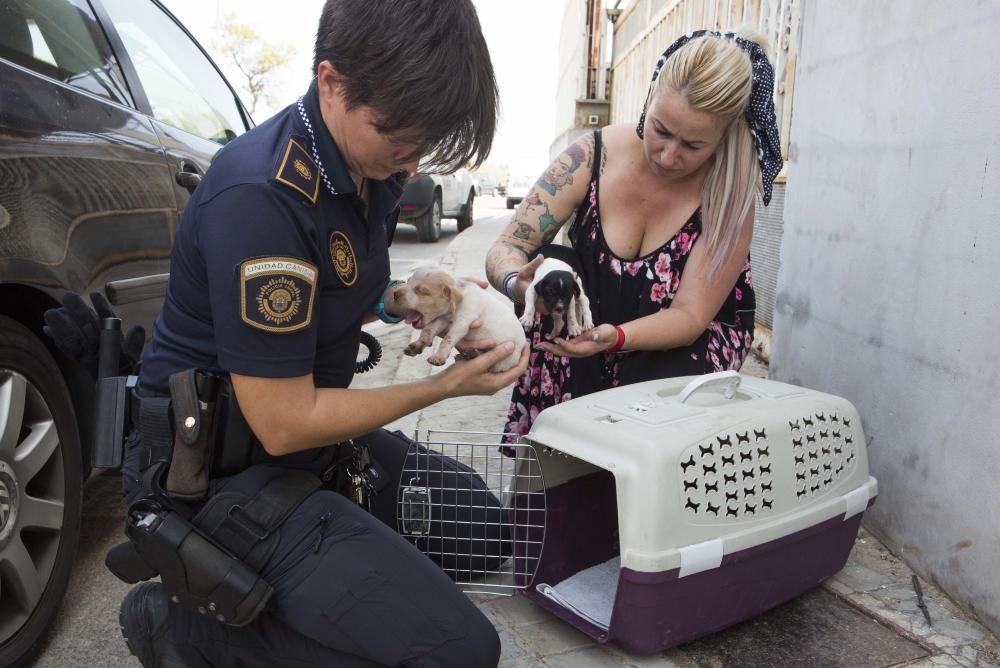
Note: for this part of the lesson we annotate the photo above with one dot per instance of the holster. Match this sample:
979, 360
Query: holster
193, 399
211, 563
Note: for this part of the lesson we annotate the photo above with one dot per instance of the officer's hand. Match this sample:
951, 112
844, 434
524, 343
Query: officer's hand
75, 329
473, 377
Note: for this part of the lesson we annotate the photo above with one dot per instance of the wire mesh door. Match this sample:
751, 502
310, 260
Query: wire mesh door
477, 512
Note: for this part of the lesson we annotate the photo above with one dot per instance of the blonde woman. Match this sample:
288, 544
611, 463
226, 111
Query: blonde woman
660, 219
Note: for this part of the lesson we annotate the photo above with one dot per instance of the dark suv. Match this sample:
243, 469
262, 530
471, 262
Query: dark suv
109, 113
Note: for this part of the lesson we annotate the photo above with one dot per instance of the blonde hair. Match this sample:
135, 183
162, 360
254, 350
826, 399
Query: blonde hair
714, 75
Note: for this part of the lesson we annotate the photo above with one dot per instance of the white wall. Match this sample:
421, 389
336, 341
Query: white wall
888, 292
572, 73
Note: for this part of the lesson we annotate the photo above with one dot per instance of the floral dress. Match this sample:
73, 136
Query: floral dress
621, 290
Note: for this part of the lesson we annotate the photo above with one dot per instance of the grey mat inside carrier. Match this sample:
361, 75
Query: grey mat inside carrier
590, 593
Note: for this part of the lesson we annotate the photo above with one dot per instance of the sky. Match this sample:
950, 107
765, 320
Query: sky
522, 35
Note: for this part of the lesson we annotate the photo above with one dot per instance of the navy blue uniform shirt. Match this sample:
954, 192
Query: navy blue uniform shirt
275, 261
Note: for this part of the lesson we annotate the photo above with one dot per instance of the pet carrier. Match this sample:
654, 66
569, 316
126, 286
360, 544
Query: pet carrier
656, 513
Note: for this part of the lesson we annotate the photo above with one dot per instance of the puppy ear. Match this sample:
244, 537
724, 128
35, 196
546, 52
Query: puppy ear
455, 295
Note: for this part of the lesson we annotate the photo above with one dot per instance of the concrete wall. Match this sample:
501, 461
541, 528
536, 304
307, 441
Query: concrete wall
887, 293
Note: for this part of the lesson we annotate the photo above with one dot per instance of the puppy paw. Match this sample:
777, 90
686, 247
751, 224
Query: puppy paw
527, 320
437, 360
413, 349
575, 331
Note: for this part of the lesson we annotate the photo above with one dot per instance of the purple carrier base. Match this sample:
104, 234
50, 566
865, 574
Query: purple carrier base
655, 611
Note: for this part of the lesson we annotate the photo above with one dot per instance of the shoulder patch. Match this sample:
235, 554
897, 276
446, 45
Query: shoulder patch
299, 171
276, 293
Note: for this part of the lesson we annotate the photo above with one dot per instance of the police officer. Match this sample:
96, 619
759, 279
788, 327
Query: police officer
280, 257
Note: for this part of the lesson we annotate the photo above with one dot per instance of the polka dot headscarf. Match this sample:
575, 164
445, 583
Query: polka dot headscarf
760, 109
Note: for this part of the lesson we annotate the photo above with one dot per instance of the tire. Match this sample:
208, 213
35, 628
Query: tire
38, 539
429, 227
467, 216
510, 203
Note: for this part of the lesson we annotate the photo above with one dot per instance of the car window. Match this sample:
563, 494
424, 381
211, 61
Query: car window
62, 40
183, 87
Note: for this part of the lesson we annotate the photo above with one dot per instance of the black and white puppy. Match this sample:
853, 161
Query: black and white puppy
563, 295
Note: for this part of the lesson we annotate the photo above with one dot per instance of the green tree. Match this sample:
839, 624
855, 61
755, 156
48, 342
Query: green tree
255, 58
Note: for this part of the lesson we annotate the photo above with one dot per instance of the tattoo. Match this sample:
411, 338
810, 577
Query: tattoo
503, 256
549, 234
604, 158
560, 172
523, 231
546, 219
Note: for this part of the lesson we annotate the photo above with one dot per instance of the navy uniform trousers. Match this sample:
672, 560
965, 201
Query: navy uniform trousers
348, 590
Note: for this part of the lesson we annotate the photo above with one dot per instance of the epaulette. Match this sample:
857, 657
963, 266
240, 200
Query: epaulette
299, 171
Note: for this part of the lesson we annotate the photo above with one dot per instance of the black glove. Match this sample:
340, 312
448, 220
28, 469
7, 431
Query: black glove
75, 328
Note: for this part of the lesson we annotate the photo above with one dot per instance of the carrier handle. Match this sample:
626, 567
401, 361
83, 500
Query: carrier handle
728, 380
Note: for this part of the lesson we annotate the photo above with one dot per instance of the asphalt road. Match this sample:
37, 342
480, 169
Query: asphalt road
85, 632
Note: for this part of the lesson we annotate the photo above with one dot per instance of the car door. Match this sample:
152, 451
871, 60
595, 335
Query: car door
84, 179
194, 110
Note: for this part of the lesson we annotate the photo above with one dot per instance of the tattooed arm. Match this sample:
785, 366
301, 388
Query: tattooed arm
549, 204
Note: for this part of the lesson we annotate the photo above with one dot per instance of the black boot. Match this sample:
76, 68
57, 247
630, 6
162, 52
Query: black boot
143, 618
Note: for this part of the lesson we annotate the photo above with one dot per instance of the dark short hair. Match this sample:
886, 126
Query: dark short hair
422, 66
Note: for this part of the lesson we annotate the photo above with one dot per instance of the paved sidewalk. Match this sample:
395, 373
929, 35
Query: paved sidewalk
866, 615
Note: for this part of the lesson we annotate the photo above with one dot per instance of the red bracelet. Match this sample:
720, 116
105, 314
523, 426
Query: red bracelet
619, 342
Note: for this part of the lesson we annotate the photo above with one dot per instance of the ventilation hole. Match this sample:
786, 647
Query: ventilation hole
758, 435
705, 468
732, 512
800, 460
685, 465
797, 442
750, 491
691, 504
794, 426
747, 473
728, 440
714, 487
732, 496
713, 509
821, 417
690, 485
728, 461
765, 487
767, 503
706, 451
729, 478
763, 452
765, 469
743, 438
807, 422
847, 423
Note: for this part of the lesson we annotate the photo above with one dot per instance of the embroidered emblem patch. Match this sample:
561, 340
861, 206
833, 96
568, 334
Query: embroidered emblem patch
303, 171
276, 293
342, 256
298, 171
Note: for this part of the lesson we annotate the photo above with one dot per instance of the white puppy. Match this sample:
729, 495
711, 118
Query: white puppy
562, 293
447, 306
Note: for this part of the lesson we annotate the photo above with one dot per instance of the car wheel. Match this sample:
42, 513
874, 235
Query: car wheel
40, 485
429, 227
465, 220
510, 203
